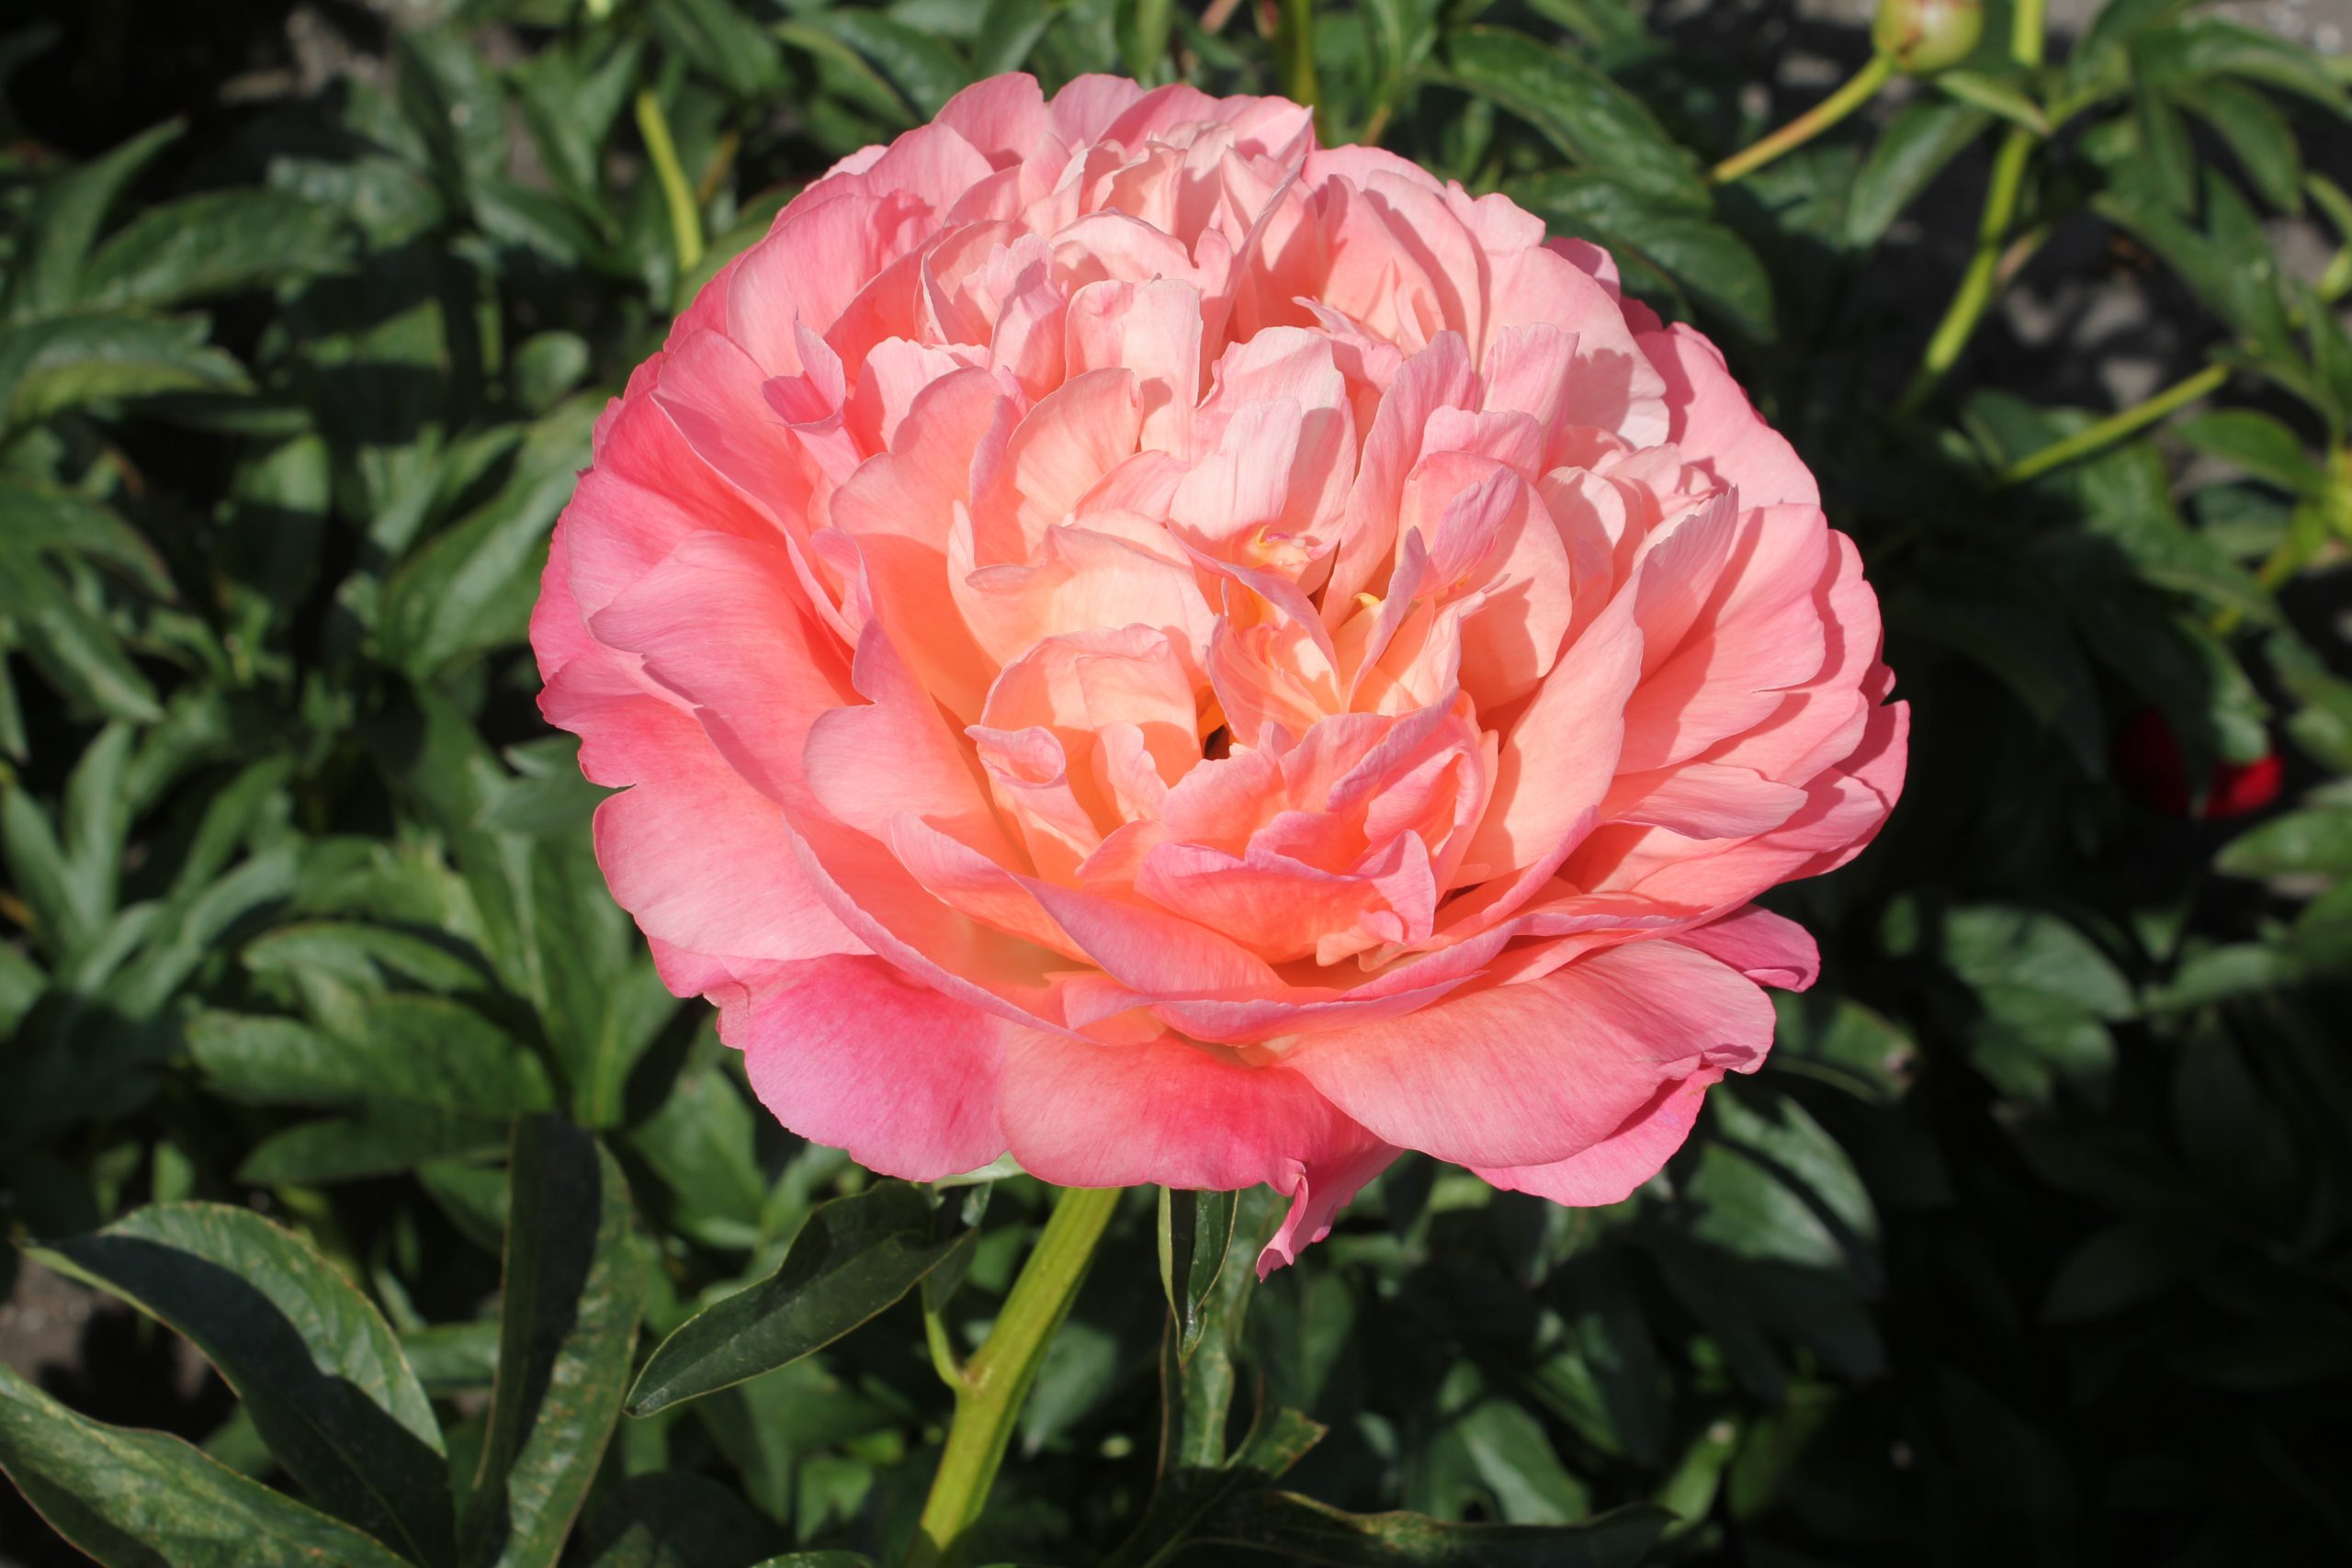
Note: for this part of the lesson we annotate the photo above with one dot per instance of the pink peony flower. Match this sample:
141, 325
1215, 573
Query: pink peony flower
1189, 657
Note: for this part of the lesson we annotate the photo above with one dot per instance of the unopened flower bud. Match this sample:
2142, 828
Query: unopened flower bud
1926, 35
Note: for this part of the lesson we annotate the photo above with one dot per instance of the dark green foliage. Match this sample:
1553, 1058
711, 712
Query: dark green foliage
2029, 1246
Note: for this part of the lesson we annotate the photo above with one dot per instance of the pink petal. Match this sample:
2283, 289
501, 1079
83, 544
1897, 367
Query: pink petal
1530, 1074
1324, 1187
1718, 428
1610, 1170
1770, 949
847, 1052
1082, 1114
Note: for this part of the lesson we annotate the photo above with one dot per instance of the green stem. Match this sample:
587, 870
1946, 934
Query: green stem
993, 1383
1859, 89
1976, 291
685, 221
1977, 284
1295, 56
2115, 426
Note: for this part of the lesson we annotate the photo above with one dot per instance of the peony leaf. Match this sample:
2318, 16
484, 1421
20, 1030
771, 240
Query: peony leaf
1196, 1230
219, 242
412, 1049
677, 1519
470, 588
853, 1257
1995, 96
375, 1140
132, 1499
1918, 144
2314, 842
1582, 112
2258, 133
1693, 254
2258, 444
65, 221
1300, 1529
68, 362
572, 1285
322, 1376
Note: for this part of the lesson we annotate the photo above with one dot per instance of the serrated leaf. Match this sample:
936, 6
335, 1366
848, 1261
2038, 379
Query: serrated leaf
853, 1257
318, 1369
1582, 112
573, 1284
135, 1499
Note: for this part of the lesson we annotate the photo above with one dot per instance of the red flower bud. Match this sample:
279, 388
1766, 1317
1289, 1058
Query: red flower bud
2147, 756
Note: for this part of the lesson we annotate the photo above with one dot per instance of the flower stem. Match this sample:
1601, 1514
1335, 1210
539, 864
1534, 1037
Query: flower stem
1294, 57
1859, 89
995, 1382
1976, 285
2115, 426
685, 222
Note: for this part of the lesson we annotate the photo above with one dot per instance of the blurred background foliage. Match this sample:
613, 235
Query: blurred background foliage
2031, 1246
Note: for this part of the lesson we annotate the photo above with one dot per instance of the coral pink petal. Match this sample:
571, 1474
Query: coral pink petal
1717, 427
1770, 949
848, 1052
699, 857
1080, 1113
1610, 1170
1530, 1074
1323, 1188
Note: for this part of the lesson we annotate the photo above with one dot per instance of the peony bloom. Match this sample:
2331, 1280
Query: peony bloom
1189, 657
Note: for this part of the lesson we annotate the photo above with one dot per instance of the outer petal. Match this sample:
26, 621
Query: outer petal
1531, 1073
1323, 1189
1078, 1113
1609, 1171
848, 1052
1719, 429
701, 858
1770, 949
